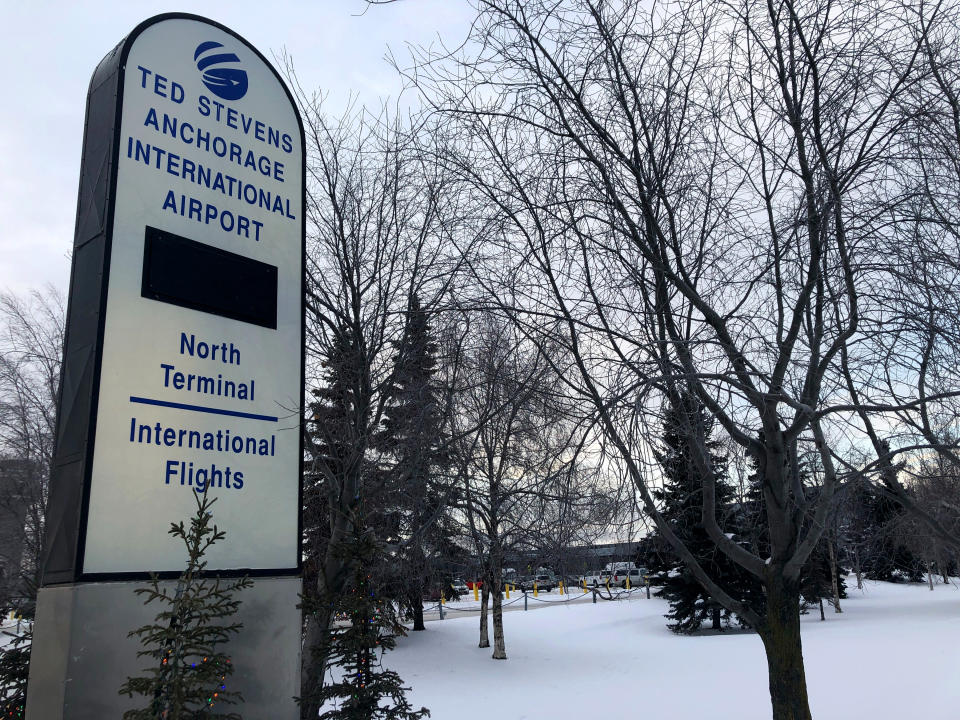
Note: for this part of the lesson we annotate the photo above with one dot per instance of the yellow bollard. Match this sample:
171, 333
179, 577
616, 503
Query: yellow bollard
628, 582
476, 595
534, 589
507, 587
443, 600
608, 584
561, 587
584, 581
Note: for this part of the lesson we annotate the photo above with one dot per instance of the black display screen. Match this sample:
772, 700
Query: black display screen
187, 273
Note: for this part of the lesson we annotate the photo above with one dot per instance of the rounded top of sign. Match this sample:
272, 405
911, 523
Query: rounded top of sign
220, 68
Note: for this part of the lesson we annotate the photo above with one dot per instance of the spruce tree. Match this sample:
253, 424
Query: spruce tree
190, 673
690, 604
355, 686
336, 411
335, 416
884, 556
14, 670
360, 688
816, 579
413, 438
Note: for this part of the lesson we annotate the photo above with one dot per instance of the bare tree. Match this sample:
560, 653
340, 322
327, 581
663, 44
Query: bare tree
373, 243
31, 347
578, 508
935, 487
926, 243
513, 451
696, 198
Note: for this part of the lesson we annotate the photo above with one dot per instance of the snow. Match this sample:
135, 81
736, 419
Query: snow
11, 628
892, 653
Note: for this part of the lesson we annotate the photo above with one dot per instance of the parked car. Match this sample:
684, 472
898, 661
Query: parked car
592, 578
545, 582
459, 587
619, 577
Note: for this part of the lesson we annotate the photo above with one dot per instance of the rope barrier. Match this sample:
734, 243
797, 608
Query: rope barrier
471, 608
602, 593
557, 602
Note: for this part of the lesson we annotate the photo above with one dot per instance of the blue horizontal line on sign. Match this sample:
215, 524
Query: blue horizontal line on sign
201, 408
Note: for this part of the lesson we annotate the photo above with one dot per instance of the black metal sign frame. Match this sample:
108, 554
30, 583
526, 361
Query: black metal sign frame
69, 499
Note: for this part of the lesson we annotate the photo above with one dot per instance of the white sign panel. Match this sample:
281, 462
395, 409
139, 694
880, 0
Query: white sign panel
200, 383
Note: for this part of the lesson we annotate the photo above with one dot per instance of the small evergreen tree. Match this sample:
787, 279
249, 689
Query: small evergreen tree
14, 670
816, 578
885, 556
816, 575
189, 675
362, 689
690, 604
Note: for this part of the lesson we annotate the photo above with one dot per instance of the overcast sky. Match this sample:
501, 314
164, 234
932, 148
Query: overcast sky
49, 50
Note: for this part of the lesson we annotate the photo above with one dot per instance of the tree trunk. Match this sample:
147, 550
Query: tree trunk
416, 606
330, 583
781, 640
930, 575
833, 576
499, 649
856, 568
716, 617
496, 588
484, 602
316, 641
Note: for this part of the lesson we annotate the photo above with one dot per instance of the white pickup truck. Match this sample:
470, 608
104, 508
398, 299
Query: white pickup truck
620, 576
592, 578
615, 576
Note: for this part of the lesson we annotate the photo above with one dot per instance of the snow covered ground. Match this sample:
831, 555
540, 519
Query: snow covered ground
11, 628
893, 653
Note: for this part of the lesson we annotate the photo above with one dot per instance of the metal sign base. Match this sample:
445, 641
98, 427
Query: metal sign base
81, 653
